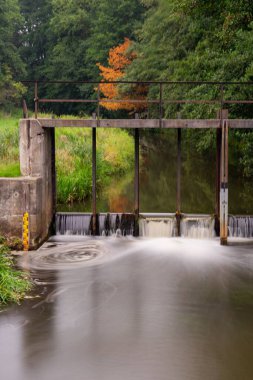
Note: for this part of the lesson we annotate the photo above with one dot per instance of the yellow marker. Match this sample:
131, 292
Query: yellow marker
25, 231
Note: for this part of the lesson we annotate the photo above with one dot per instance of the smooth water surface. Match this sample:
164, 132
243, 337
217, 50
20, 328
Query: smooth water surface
158, 171
127, 309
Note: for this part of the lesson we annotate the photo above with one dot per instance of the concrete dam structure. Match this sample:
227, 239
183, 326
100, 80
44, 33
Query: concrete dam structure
34, 194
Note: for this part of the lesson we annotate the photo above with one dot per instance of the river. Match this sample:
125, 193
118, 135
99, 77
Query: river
132, 309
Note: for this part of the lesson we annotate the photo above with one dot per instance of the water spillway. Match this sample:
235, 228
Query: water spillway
158, 225
150, 225
240, 226
81, 224
72, 224
198, 226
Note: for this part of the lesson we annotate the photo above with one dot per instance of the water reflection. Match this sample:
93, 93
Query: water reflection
142, 309
158, 181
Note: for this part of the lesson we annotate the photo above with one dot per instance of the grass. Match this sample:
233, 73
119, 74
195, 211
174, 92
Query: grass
115, 153
11, 169
13, 284
9, 141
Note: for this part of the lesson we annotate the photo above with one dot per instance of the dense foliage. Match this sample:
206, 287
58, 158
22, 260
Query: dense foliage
197, 41
13, 284
171, 40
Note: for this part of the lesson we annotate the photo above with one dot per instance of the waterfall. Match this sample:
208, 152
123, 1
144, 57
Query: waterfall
108, 224
120, 224
198, 227
240, 226
158, 226
72, 224
150, 225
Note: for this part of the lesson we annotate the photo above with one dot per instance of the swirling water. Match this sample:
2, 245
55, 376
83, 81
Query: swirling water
139, 309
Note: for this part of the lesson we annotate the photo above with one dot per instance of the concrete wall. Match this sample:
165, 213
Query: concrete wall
34, 191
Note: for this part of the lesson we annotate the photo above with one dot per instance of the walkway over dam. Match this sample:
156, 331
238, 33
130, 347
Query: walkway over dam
35, 192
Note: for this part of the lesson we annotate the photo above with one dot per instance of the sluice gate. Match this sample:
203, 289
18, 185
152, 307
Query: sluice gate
35, 193
150, 225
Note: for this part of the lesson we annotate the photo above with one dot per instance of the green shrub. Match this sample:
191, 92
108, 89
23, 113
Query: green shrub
13, 284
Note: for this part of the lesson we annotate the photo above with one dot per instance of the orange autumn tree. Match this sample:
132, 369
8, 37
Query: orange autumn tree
120, 57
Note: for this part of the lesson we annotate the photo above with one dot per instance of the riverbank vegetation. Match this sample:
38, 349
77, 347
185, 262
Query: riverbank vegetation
166, 40
115, 152
14, 284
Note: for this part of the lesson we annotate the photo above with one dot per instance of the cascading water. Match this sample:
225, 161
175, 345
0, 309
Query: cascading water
240, 226
151, 225
158, 226
108, 224
72, 224
198, 227
119, 224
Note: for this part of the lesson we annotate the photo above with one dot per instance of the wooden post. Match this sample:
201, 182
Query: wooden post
94, 181
137, 183
178, 212
224, 185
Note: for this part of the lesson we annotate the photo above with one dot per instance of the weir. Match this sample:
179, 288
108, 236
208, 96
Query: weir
240, 226
34, 194
150, 225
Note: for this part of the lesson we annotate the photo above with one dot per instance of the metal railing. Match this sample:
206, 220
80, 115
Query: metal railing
161, 101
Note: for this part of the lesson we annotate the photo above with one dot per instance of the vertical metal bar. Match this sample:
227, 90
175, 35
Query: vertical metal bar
221, 98
224, 185
222, 114
94, 168
217, 174
98, 106
179, 159
137, 182
161, 105
218, 181
94, 181
53, 168
25, 110
179, 170
36, 106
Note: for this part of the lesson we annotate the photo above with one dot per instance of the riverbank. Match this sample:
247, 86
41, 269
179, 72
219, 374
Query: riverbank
14, 284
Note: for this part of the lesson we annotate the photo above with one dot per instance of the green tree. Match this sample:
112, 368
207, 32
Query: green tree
10, 61
36, 36
202, 41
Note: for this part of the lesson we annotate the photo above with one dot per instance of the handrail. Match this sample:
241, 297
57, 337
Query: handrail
161, 101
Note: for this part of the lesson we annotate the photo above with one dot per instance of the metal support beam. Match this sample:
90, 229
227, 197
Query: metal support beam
160, 105
36, 100
222, 115
178, 213
53, 168
217, 182
94, 181
25, 109
137, 182
224, 185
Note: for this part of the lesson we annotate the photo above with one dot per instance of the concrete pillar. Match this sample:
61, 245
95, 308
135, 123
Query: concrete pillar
37, 161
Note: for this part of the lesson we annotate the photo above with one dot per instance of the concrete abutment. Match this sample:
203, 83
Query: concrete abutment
34, 191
